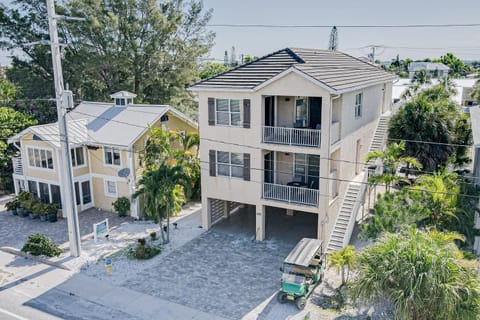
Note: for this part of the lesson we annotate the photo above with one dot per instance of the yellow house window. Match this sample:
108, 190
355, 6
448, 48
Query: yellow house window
40, 158
112, 156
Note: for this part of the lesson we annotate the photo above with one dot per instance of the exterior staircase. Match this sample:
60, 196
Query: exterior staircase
355, 192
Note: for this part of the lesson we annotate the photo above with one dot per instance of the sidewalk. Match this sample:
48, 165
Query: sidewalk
30, 290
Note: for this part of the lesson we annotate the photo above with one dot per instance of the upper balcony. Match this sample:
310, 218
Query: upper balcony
295, 121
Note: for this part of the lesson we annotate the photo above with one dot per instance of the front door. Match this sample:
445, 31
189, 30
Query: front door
83, 195
269, 111
315, 111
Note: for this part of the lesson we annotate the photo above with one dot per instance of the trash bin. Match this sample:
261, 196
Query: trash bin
108, 266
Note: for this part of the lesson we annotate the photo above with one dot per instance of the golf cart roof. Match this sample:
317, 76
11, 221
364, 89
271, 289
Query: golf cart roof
304, 252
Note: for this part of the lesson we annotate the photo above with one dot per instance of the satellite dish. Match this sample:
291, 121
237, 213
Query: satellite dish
123, 173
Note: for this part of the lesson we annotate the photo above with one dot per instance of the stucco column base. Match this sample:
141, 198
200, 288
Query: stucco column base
206, 214
226, 213
290, 212
260, 223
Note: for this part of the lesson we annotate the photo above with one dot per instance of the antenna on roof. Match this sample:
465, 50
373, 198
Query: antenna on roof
333, 43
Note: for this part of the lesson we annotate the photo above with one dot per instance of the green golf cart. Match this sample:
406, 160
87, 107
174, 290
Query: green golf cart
302, 271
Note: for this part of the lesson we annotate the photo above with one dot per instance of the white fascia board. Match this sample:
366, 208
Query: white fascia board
300, 73
363, 86
219, 89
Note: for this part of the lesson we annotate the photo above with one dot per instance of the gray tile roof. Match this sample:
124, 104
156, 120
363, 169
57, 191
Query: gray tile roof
336, 70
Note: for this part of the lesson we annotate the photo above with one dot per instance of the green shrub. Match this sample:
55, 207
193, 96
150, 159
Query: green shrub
143, 250
12, 205
121, 205
39, 244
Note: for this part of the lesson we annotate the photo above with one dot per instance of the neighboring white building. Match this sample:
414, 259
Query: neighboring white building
433, 69
285, 130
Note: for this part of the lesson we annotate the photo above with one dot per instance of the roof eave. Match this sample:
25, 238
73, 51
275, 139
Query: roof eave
366, 85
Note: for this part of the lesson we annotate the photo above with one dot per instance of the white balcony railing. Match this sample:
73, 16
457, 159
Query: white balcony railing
17, 165
290, 194
292, 136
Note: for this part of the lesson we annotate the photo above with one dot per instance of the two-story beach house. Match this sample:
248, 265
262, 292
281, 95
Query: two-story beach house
105, 138
290, 130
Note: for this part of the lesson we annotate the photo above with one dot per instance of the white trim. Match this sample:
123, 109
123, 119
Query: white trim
84, 157
105, 176
108, 194
112, 165
40, 149
220, 89
298, 72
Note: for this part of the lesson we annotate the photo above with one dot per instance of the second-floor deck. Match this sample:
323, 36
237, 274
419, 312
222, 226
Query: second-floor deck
291, 194
304, 137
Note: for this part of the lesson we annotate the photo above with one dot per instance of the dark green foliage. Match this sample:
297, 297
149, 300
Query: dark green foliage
431, 117
144, 250
149, 47
394, 211
210, 69
11, 122
121, 205
39, 244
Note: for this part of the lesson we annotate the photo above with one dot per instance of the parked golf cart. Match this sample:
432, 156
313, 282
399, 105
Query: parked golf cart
302, 271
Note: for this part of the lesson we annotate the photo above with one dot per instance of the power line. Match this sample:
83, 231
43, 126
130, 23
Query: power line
295, 26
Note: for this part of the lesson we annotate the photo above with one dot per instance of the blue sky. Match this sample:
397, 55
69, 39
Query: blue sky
464, 42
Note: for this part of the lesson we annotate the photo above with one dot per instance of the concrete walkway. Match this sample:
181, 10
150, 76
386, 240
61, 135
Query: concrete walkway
30, 290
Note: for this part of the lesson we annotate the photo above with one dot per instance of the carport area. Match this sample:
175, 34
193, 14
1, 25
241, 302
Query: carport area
225, 271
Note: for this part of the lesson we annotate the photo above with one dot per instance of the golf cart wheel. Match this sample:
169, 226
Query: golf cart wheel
282, 297
300, 302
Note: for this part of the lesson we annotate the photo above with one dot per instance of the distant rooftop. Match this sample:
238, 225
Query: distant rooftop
429, 66
123, 94
336, 70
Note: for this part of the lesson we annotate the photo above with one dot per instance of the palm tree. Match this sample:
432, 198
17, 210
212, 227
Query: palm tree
391, 160
162, 193
189, 141
421, 273
441, 192
421, 120
421, 77
342, 259
476, 92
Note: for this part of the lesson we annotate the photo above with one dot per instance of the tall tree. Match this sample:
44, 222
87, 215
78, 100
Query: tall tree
7, 92
149, 47
11, 122
422, 274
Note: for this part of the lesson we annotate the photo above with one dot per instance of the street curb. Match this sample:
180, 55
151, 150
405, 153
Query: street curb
34, 258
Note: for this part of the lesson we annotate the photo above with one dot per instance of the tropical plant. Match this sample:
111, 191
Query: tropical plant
39, 244
427, 127
421, 273
162, 193
391, 160
342, 260
210, 69
394, 211
440, 193
421, 77
121, 205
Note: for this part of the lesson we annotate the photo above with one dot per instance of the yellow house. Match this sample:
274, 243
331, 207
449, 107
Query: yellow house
105, 138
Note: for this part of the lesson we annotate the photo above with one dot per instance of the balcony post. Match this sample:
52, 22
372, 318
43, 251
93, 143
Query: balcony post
260, 222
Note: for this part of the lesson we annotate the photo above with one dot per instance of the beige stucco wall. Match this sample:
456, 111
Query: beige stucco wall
284, 167
285, 111
102, 201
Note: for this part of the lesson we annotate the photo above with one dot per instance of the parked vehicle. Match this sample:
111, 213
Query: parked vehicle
303, 270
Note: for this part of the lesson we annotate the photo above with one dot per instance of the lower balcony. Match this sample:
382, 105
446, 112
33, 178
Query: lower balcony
296, 194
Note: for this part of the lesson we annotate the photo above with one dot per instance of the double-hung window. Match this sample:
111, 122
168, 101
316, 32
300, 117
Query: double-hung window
358, 105
112, 156
230, 164
78, 157
40, 158
228, 112
110, 188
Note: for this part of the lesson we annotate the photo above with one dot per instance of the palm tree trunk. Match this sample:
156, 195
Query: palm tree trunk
160, 220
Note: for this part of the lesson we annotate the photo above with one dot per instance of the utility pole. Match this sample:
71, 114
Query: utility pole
333, 43
65, 168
